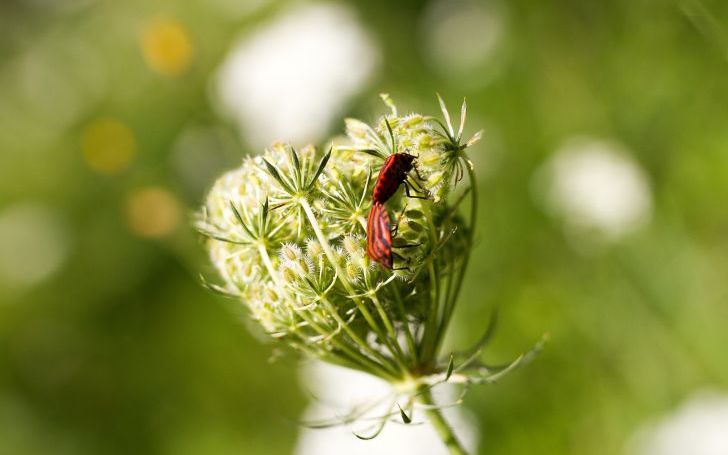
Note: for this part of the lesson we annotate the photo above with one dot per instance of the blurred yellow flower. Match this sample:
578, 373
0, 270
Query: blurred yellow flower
108, 145
153, 212
166, 46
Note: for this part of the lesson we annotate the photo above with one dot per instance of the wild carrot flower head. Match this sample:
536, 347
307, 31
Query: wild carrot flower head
287, 233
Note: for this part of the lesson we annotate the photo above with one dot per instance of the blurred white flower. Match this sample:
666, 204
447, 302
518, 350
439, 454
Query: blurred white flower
33, 244
698, 427
340, 389
595, 186
292, 77
462, 38
55, 83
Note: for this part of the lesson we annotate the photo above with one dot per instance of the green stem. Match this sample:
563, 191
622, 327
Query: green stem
383, 370
382, 313
359, 342
409, 338
464, 266
427, 352
443, 429
341, 273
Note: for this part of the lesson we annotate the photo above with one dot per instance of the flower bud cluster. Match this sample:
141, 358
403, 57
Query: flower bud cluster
286, 232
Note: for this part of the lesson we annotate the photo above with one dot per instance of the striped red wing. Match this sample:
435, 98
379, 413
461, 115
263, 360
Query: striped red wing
393, 173
379, 236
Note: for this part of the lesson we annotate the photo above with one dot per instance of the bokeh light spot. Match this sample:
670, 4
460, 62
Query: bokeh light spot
33, 244
339, 389
153, 212
166, 46
462, 39
289, 78
596, 187
108, 145
697, 427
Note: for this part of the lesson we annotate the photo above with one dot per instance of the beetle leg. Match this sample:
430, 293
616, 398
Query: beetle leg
417, 173
401, 258
409, 245
408, 185
394, 230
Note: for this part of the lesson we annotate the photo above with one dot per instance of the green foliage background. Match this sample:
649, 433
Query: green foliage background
121, 351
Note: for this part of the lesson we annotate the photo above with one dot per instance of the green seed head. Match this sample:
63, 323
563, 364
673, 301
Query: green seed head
287, 233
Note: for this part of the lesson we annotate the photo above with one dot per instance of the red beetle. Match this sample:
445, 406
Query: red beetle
393, 173
379, 235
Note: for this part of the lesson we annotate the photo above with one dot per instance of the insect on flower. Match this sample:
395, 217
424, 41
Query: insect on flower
394, 172
379, 235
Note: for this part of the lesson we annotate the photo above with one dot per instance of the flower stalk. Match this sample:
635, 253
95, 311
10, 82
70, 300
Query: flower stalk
441, 426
